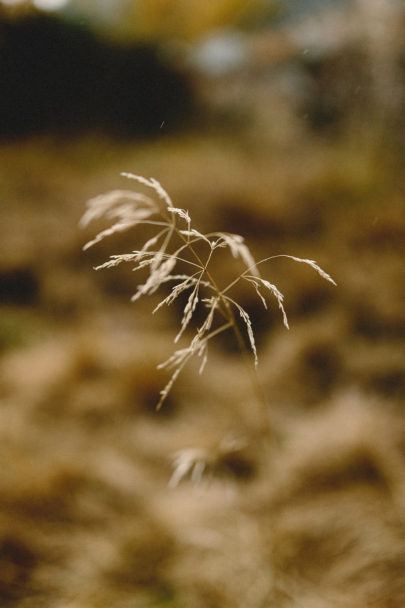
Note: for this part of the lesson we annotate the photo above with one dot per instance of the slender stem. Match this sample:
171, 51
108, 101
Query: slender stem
217, 331
225, 309
230, 317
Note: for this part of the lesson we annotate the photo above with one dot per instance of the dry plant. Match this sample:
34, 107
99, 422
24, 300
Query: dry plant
179, 256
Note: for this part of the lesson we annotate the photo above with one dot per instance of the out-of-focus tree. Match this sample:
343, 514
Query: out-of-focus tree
189, 19
164, 20
155, 20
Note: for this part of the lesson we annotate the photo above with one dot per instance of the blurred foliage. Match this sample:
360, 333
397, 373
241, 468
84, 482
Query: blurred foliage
163, 20
189, 19
78, 81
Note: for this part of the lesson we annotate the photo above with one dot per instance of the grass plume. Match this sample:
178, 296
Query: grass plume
176, 244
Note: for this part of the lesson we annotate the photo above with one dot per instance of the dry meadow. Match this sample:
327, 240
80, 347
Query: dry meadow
108, 503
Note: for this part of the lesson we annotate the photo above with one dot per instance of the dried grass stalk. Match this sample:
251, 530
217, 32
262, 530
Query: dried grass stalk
177, 243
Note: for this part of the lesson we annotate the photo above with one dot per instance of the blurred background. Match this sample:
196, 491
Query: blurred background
282, 120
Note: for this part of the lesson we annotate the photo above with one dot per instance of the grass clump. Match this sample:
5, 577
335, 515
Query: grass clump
179, 257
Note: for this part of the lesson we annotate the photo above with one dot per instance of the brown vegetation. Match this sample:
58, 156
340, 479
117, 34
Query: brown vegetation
106, 502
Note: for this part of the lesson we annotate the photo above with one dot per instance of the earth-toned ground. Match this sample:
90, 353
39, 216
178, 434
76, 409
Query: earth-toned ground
88, 518
107, 503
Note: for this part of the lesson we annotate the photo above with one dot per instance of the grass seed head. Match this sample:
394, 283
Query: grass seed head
174, 243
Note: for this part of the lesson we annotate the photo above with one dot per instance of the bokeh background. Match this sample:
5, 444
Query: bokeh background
282, 120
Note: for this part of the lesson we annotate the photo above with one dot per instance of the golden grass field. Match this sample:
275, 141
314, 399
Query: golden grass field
87, 516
